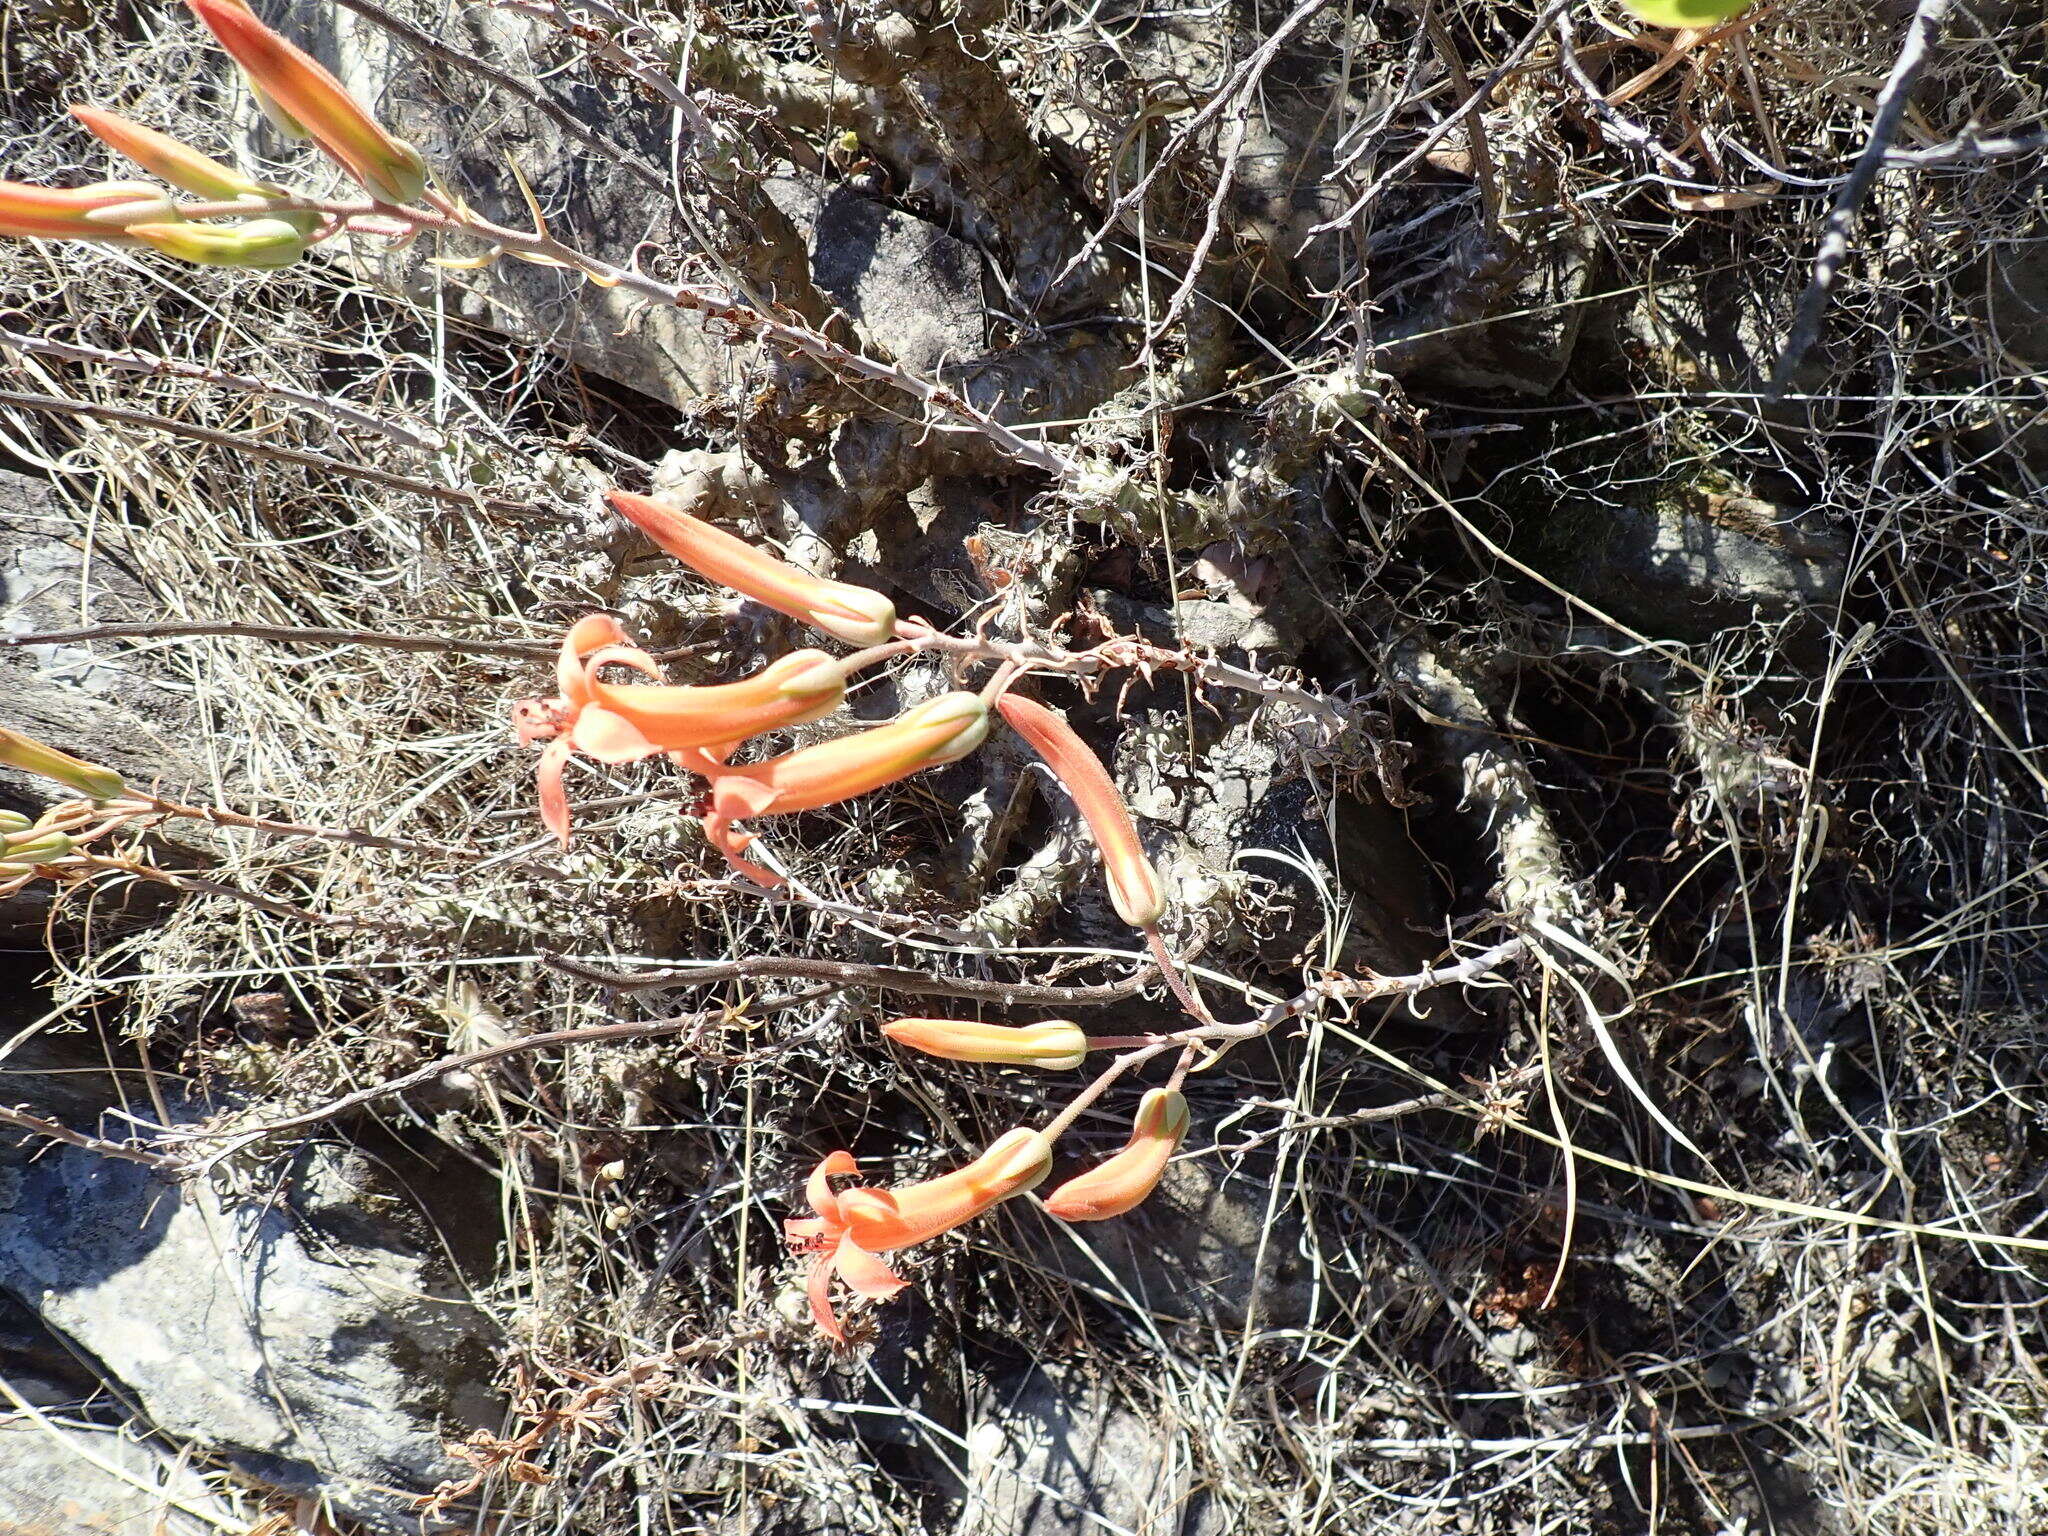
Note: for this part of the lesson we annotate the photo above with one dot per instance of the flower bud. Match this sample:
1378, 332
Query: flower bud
176, 162
1134, 888
309, 96
857, 615
1055, 1045
938, 731
32, 756
78, 213
14, 821
250, 243
1115, 1186
1686, 13
37, 848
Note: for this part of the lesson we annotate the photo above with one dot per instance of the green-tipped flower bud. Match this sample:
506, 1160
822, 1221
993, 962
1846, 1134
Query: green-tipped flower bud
32, 756
252, 243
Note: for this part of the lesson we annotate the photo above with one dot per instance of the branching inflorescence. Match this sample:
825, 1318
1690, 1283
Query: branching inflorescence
242, 222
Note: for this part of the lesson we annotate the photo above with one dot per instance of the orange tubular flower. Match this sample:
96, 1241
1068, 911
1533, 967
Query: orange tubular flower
68, 213
853, 614
297, 83
849, 1229
941, 730
1115, 1186
624, 724
880, 1220
1055, 1044
161, 155
1134, 888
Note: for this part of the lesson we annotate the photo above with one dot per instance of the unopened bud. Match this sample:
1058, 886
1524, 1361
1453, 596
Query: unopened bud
252, 243
39, 848
32, 756
1055, 1045
1115, 1186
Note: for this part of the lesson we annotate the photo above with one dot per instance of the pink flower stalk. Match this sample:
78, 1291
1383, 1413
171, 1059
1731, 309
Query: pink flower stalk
309, 96
853, 614
77, 213
1134, 888
1123, 1181
941, 730
851, 1228
616, 724
1054, 1045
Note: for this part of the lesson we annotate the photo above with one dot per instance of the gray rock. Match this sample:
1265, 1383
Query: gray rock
1053, 1455
75, 696
61, 1479
87, 700
1209, 1247
912, 289
1700, 555
292, 1331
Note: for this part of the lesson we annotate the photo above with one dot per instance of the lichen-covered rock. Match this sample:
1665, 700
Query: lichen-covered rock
912, 289
1696, 555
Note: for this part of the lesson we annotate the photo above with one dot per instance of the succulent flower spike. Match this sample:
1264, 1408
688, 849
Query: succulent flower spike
1055, 1044
617, 724
941, 730
824, 1238
1113, 1187
1134, 887
853, 614
880, 1220
96, 212
32, 756
161, 155
298, 84
249, 243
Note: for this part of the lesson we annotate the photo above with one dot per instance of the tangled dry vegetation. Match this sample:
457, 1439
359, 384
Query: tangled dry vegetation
1712, 1206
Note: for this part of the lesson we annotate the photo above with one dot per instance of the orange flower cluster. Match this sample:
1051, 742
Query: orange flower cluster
240, 221
699, 727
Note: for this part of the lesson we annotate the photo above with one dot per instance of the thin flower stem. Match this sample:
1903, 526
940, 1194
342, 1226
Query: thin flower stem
1179, 985
1060, 1123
